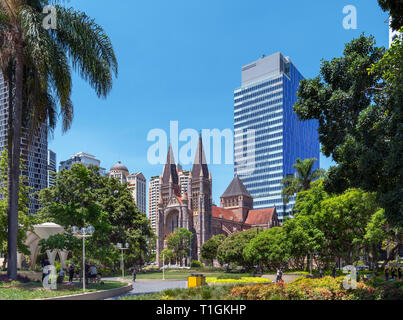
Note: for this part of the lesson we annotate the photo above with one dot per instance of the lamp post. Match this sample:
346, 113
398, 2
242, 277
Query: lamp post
163, 266
120, 246
83, 233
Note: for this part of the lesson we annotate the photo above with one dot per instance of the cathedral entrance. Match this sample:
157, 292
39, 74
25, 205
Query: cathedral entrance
171, 222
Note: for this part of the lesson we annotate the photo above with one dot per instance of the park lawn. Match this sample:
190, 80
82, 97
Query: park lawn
34, 290
183, 274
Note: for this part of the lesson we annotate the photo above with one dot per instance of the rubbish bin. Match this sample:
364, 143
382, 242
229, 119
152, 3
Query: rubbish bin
196, 280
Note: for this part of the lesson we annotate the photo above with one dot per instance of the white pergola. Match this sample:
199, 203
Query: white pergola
43, 231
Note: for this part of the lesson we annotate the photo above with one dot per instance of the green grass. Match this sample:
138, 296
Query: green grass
184, 274
201, 293
34, 290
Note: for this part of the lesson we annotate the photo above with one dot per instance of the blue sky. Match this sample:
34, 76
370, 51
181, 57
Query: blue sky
181, 60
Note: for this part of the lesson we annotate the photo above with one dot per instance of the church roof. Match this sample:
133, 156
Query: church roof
200, 163
260, 216
221, 213
236, 188
170, 169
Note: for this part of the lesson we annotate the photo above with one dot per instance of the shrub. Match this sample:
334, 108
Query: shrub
22, 279
313, 289
196, 264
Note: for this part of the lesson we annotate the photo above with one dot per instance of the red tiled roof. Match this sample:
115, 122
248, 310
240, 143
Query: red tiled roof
260, 216
226, 214
179, 199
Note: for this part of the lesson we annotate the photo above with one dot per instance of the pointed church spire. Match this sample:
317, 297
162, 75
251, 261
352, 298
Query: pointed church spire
170, 172
200, 168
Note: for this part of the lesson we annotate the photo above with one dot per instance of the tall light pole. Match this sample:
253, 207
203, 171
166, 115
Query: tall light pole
120, 246
83, 233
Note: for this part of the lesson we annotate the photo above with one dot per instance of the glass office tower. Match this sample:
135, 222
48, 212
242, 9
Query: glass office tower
264, 106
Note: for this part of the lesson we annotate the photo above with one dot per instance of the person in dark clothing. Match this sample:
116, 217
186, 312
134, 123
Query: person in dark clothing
134, 274
386, 274
320, 273
334, 272
71, 272
399, 273
87, 272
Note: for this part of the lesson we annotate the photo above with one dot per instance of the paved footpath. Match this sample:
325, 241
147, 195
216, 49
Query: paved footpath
151, 286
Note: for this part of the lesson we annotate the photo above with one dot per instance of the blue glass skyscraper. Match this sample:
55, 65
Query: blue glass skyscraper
264, 106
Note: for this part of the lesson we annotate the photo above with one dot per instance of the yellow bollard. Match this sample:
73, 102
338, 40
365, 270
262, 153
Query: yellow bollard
196, 280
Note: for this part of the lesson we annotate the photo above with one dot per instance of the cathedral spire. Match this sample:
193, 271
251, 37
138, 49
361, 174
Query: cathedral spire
170, 174
200, 169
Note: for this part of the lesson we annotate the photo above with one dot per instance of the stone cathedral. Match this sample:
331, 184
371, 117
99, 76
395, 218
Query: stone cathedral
187, 203
186, 206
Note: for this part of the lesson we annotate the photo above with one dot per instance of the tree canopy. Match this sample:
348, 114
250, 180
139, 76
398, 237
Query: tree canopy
358, 101
82, 197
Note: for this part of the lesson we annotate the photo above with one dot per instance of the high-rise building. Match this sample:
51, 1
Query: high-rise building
264, 106
136, 183
51, 168
393, 34
137, 186
34, 151
84, 158
153, 200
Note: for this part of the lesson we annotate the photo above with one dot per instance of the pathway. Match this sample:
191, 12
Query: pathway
151, 286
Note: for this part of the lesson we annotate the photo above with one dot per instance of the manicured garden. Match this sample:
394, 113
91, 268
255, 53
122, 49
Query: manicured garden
24, 289
326, 288
183, 274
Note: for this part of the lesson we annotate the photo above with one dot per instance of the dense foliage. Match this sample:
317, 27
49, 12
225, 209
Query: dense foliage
26, 221
179, 242
360, 120
210, 247
326, 288
82, 197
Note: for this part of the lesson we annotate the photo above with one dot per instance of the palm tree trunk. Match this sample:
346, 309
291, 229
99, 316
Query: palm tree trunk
14, 168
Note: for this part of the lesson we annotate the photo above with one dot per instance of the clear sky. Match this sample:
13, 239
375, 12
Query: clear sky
181, 60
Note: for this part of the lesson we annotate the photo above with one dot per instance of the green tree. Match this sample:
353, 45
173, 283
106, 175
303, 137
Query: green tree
81, 197
360, 120
167, 255
305, 237
26, 221
231, 250
210, 247
269, 249
35, 63
301, 181
395, 9
179, 242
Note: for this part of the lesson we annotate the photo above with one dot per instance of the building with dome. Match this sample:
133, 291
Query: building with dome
136, 184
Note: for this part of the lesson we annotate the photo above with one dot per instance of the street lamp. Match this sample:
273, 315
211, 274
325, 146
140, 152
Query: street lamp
83, 233
120, 246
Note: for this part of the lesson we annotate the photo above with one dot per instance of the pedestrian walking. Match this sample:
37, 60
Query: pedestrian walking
399, 273
71, 272
278, 276
386, 274
320, 273
334, 272
134, 274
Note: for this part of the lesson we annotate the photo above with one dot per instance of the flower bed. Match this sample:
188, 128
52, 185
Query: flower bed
248, 280
326, 288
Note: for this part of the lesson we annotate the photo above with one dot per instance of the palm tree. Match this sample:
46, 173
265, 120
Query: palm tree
36, 64
302, 179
